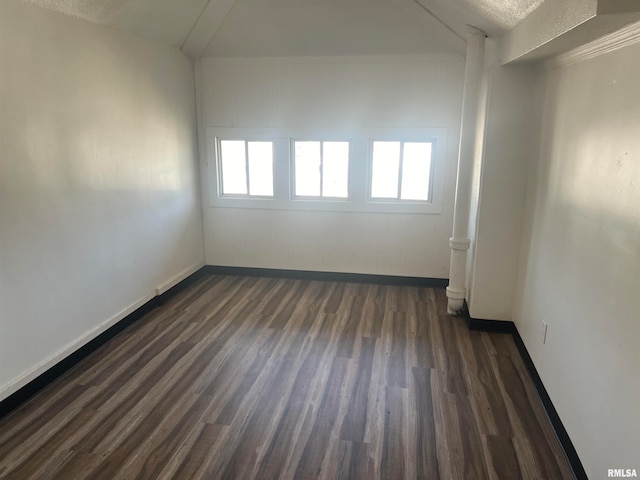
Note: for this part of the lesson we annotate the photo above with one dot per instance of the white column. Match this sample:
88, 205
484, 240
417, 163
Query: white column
460, 242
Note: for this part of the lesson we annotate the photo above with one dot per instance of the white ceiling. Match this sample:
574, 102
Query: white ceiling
328, 27
164, 21
495, 17
301, 27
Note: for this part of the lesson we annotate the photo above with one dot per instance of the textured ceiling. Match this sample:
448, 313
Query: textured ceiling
320, 27
495, 17
301, 27
164, 21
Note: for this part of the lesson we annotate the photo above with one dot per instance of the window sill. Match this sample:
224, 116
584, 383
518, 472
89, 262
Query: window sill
328, 205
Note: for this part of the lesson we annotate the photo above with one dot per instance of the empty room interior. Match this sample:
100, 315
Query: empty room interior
360, 239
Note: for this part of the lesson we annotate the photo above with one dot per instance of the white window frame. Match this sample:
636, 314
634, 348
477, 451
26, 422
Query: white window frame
292, 167
399, 200
219, 168
360, 163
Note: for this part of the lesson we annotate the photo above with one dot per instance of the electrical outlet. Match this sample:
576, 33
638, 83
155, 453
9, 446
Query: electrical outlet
543, 332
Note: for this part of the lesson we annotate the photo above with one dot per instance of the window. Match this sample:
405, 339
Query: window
321, 169
401, 171
246, 168
375, 170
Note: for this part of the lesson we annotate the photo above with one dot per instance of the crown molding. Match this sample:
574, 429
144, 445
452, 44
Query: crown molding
624, 37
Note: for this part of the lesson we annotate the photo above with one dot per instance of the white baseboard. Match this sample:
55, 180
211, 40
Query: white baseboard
60, 355
176, 279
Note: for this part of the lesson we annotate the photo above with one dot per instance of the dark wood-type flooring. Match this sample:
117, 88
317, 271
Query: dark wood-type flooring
245, 377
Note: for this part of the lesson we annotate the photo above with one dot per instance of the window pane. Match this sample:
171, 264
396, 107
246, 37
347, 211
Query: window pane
307, 166
335, 169
416, 168
234, 169
384, 175
261, 168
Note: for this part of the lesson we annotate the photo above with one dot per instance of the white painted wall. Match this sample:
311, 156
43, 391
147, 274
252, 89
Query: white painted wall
501, 167
333, 93
580, 269
99, 202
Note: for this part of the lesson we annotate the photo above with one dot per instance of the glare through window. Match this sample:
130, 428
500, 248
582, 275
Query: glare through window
247, 168
401, 170
321, 169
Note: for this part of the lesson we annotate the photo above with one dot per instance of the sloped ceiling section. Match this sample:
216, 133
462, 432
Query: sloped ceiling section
334, 27
529, 29
301, 27
165, 21
351, 27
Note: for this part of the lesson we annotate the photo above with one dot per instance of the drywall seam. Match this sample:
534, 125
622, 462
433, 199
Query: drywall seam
210, 20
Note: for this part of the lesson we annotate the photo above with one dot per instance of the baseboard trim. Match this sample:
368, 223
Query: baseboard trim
24, 393
497, 326
176, 279
60, 355
554, 418
329, 276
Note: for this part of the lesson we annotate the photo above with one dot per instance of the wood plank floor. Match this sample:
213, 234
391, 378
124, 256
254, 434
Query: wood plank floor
243, 378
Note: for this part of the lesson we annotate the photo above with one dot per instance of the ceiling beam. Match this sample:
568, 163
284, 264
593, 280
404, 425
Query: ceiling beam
557, 27
213, 15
